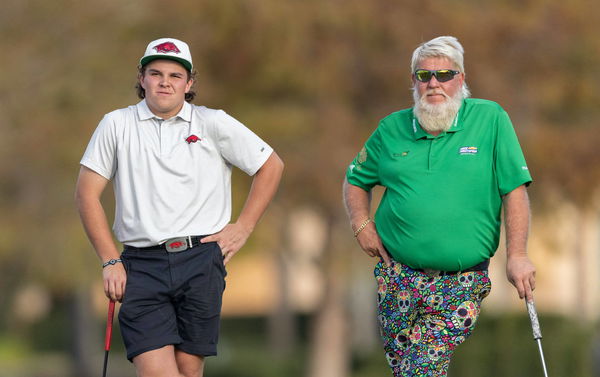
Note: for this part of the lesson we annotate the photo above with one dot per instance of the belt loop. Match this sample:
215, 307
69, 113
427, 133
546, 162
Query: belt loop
190, 245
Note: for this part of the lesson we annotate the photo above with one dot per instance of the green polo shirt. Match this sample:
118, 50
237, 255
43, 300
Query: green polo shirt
443, 195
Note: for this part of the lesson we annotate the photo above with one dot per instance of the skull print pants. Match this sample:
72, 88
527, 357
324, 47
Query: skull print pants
423, 319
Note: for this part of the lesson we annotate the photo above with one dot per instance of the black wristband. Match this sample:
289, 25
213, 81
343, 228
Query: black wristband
111, 262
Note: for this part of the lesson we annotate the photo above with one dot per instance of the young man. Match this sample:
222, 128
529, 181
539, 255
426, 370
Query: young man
448, 165
170, 163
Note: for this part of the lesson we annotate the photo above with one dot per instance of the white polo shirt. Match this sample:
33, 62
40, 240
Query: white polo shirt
166, 185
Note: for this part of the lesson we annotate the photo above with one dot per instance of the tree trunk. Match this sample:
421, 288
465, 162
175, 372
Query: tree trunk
83, 339
329, 353
282, 322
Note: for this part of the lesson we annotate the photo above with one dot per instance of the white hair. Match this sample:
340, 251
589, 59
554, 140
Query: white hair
442, 47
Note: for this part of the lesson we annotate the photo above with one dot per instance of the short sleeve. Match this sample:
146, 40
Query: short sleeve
364, 169
100, 154
511, 168
239, 145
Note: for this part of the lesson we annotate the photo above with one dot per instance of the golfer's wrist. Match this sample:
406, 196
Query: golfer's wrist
362, 226
111, 262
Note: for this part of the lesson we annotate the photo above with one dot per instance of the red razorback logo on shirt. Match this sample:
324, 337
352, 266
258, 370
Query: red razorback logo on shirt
192, 139
166, 47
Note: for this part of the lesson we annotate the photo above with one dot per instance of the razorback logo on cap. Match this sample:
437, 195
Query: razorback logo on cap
166, 47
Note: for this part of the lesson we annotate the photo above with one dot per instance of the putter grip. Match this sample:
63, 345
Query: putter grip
535, 324
109, 323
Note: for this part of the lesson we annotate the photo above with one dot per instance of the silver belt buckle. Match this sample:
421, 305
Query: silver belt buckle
175, 245
431, 273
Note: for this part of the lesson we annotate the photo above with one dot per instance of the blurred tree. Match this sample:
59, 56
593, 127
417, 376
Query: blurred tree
311, 77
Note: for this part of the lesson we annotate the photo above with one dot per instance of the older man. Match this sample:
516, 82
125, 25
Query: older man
448, 165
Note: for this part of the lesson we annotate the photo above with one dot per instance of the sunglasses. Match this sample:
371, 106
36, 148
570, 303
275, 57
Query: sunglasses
441, 75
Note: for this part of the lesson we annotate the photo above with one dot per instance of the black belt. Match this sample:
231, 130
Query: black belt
478, 267
172, 245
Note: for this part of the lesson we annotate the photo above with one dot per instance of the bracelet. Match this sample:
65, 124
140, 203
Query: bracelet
362, 226
111, 262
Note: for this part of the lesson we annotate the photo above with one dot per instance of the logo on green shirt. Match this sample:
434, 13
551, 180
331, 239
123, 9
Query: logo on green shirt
362, 156
468, 150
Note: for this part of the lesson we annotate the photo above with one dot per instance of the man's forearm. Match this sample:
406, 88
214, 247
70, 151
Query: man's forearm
96, 227
87, 197
516, 221
263, 189
90, 186
519, 269
358, 204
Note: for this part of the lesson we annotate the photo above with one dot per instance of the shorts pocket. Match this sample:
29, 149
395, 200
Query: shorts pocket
219, 260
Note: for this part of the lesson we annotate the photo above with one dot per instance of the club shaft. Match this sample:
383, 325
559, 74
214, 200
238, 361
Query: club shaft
539, 342
105, 363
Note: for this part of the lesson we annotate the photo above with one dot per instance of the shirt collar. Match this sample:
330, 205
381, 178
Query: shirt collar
145, 113
186, 112
420, 133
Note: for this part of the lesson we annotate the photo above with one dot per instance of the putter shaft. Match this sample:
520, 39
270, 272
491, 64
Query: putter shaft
105, 363
539, 342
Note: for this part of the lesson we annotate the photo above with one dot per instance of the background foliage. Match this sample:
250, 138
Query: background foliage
312, 77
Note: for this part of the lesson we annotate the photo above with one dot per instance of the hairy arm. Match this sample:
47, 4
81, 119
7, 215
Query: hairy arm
90, 186
358, 206
263, 189
520, 271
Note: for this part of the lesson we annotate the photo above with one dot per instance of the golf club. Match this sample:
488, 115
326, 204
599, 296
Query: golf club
109, 322
537, 333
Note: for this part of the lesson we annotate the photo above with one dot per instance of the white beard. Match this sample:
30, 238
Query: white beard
439, 117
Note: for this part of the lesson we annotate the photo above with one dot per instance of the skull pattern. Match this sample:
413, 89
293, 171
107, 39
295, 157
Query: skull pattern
403, 301
422, 282
436, 325
434, 301
394, 270
383, 322
415, 334
393, 359
402, 340
484, 292
436, 351
405, 365
381, 288
422, 319
467, 279
465, 315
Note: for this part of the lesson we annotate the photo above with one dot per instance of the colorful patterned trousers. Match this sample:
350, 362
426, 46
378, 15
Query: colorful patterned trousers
423, 318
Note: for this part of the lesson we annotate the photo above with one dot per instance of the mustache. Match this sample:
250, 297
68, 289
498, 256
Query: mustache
434, 92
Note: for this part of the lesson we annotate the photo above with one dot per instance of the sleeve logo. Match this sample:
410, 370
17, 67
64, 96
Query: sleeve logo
362, 156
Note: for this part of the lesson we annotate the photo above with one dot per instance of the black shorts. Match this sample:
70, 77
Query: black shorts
172, 298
